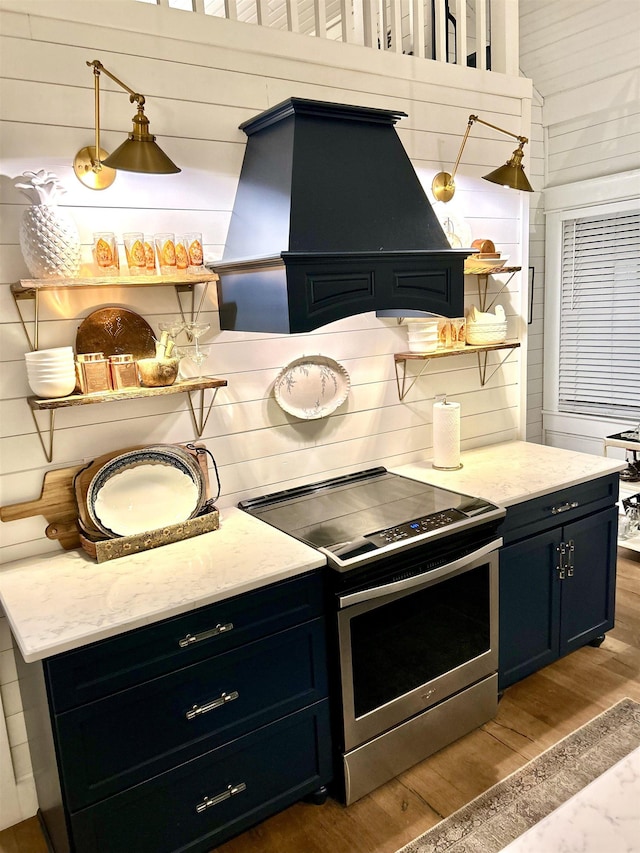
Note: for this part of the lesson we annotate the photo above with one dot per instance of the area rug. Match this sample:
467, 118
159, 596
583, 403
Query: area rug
495, 818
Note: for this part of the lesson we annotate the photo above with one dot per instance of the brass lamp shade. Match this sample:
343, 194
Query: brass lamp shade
140, 152
511, 174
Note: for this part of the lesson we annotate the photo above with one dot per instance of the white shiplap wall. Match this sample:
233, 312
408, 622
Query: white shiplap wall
202, 78
583, 57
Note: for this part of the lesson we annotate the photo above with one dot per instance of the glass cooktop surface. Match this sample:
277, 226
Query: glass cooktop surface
374, 505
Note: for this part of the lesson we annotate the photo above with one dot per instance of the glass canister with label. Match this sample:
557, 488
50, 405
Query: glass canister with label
124, 372
93, 373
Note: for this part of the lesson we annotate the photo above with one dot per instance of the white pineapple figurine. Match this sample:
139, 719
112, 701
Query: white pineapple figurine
49, 238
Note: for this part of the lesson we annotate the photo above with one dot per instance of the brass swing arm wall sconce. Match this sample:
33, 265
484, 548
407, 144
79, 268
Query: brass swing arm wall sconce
138, 153
510, 175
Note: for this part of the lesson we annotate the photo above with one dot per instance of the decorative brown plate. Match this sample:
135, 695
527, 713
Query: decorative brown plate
115, 331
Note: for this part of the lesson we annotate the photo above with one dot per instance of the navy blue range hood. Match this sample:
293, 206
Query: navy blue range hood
330, 220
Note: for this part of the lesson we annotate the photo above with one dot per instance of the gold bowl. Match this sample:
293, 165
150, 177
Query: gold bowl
158, 372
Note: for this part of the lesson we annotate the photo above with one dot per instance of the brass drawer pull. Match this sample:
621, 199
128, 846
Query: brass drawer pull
231, 791
190, 639
223, 699
564, 507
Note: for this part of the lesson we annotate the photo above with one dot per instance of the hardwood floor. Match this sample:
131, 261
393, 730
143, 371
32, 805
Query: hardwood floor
532, 715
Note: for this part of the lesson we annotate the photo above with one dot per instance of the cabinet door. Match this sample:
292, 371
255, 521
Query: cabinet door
588, 591
529, 606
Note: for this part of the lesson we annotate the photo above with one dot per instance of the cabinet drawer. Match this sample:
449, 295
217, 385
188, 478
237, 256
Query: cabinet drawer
116, 742
269, 769
103, 668
538, 514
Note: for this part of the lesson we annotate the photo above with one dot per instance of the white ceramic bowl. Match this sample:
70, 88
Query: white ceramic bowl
425, 339
485, 263
50, 388
48, 354
50, 363
421, 346
62, 364
54, 373
422, 325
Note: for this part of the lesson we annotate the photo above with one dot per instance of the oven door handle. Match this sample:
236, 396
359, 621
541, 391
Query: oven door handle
423, 579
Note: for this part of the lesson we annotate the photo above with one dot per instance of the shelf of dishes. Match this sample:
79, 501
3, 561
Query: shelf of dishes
29, 290
199, 412
405, 384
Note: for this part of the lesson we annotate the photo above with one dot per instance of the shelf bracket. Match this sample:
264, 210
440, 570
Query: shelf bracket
482, 296
32, 296
200, 415
403, 389
190, 288
47, 448
482, 366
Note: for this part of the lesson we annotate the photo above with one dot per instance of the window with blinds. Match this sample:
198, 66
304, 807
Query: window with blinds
599, 366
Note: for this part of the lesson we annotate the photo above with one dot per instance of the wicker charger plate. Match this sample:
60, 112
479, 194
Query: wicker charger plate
115, 331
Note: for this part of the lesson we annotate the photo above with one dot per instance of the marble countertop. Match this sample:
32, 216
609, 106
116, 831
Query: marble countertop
63, 601
66, 600
603, 816
514, 471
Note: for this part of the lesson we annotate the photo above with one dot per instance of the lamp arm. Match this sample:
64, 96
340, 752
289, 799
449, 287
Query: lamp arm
521, 139
464, 142
98, 67
472, 118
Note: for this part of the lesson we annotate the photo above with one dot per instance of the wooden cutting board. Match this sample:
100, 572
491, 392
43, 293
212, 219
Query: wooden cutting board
57, 503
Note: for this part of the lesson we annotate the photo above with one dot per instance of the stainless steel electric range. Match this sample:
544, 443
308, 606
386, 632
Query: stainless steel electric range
413, 612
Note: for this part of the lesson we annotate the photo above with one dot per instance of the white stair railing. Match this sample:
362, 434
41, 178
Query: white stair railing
466, 32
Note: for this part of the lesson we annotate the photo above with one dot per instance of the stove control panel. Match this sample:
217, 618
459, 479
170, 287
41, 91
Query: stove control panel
417, 527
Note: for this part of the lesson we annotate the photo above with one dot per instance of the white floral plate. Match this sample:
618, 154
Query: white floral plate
312, 387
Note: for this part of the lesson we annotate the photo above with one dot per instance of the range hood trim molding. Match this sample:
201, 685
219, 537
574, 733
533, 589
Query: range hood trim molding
269, 262
322, 109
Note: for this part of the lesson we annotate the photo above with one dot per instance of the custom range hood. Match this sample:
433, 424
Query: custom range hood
330, 220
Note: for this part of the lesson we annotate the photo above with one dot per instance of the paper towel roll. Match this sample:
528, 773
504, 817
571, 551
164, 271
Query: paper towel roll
446, 435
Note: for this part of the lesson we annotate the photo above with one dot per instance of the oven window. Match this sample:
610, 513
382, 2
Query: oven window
402, 645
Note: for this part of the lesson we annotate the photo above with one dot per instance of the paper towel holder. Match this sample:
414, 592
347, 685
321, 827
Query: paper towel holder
442, 398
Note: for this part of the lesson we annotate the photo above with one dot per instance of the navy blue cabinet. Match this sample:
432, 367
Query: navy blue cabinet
182, 734
557, 576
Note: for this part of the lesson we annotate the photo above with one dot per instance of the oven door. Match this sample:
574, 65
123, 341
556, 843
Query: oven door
408, 645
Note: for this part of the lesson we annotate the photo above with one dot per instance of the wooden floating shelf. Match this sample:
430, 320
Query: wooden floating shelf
443, 353
481, 350
28, 285
490, 270
179, 387
184, 386
28, 290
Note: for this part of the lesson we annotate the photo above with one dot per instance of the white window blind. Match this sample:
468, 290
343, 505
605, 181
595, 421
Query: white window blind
599, 366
